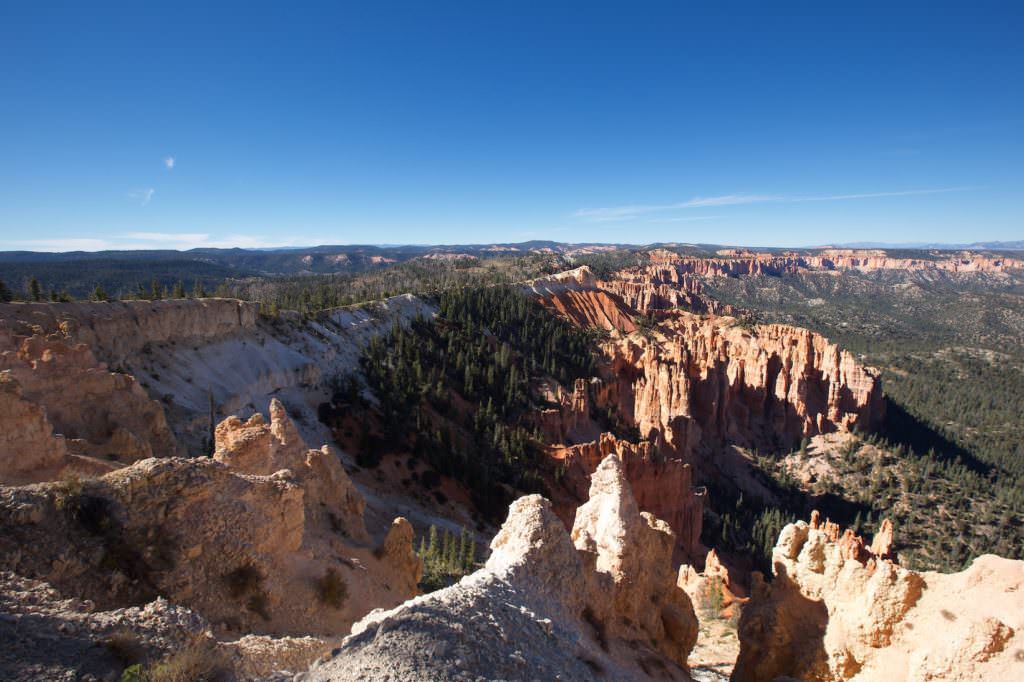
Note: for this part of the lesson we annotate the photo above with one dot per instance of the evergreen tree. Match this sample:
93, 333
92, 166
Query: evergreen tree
156, 290
5, 294
98, 294
197, 290
34, 290
179, 290
432, 547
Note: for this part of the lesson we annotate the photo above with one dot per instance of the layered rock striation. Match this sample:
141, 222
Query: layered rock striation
547, 605
712, 380
200, 360
68, 411
267, 537
839, 609
662, 486
743, 263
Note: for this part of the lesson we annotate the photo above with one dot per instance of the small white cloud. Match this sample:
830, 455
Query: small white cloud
143, 196
169, 162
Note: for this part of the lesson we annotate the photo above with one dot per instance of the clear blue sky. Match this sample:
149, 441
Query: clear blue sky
766, 123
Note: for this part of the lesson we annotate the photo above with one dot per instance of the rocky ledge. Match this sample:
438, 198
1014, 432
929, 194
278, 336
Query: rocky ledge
601, 601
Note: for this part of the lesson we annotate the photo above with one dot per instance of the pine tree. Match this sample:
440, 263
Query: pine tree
99, 294
179, 290
468, 553
432, 547
156, 290
34, 290
5, 294
198, 291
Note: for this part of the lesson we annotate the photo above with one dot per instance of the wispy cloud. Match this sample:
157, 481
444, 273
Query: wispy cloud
684, 219
630, 212
56, 245
169, 162
143, 196
182, 237
153, 240
195, 240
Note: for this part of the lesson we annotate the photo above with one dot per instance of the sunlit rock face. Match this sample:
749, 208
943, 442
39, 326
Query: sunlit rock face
599, 601
840, 609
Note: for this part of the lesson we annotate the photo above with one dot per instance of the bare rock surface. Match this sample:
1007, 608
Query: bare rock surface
65, 408
840, 610
48, 637
278, 553
601, 602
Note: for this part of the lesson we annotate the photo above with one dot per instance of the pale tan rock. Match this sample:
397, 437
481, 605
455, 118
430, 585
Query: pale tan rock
29, 450
838, 611
251, 552
98, 413
256, 447
631, 552
118, 330
662, 486
542, 607
397, 551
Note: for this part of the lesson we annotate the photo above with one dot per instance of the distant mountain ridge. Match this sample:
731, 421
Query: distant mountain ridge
125, 272
1015, 245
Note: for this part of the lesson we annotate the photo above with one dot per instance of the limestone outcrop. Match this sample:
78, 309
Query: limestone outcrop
712, 589
547, 605
631, 553
256, 447
200, 360
662, 486
837, 610
274, 545
710, 379
29, 450
705, 378
89, 412
117, 331
48, 636
731, 263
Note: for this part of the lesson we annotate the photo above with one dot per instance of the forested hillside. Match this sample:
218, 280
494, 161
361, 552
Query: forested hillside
949, 464
457, 390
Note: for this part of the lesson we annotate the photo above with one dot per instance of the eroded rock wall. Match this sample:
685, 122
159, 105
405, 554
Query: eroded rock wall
274, 545
709, 379
662, 486
77, 406
837, 609
601, 602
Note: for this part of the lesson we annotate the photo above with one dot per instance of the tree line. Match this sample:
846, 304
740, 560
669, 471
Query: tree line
457, 390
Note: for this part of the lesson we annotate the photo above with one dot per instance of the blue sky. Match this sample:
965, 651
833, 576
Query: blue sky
382, 122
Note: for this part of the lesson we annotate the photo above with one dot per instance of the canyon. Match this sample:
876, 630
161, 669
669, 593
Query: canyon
155, 466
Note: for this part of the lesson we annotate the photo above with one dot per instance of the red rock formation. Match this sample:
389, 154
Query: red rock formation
570, 422
713, 587
707, 378
663, 487
736, 264
659, 288
591, 308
